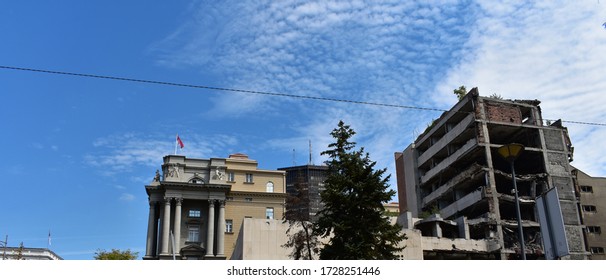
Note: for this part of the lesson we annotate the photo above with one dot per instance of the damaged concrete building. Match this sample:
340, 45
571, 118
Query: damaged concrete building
456, 186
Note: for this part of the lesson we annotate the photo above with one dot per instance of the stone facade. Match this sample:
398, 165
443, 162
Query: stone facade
198, 205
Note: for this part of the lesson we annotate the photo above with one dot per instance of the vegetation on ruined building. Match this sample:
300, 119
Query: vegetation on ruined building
353, 216
496, 96
460, 92
116, 254
431, 211
430, 125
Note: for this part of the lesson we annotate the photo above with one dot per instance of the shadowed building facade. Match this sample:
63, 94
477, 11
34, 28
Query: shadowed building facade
310, 179
197, 205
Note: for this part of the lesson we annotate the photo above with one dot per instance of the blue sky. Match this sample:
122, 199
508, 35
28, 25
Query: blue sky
77, 152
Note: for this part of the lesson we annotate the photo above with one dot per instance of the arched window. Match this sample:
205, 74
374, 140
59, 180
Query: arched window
269, 187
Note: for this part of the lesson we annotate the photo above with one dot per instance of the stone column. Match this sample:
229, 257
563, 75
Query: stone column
151, 229
177, 225
437, 230
211, 229
165, 226
221, 229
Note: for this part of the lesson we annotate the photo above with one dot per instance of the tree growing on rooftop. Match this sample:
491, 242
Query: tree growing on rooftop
460, 92
353, 216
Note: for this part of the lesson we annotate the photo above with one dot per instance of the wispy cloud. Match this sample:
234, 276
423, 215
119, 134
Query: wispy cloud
386, 52
399, 52
123, 153
547, 50
127, 197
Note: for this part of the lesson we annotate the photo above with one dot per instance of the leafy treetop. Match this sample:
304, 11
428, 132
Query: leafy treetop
115, 254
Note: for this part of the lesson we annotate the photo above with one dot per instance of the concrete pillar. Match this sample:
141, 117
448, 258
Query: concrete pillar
177, 225
405, 220
437, 230
151, 230
210, 237
463, 227
221, 229
165, 226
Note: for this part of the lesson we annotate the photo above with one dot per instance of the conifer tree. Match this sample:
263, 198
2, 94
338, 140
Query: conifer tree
353, 214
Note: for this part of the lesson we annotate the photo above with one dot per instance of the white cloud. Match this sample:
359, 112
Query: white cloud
122, 153
552, 51
127, 197
397, 52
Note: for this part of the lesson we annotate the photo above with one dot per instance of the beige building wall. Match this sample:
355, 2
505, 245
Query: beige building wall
251, 199
261, 239
592, 192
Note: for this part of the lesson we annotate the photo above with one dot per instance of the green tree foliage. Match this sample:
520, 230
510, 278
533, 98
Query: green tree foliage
301, 238
460, 92
116, 254
353, 215
496, 96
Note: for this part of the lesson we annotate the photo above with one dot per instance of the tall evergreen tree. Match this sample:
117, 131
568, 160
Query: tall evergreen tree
353, 215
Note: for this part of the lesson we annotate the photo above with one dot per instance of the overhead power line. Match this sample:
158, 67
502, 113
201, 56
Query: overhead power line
217, 88
246, 91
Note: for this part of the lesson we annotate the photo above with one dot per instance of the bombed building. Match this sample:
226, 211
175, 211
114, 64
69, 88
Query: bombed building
452, 173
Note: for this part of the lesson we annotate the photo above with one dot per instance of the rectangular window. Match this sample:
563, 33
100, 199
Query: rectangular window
193, 233
248, 199
597, 250
249, 178
229, 226
594, 229
587, 189
231, 177
194, 213
589, 208
269, 213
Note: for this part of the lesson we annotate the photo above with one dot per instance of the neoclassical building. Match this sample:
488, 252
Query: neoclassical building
197, 206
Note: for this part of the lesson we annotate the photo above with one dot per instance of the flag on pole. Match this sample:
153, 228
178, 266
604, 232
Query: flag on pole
180, 142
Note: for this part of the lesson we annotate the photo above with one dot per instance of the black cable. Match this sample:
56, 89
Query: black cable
218, 88
251, 91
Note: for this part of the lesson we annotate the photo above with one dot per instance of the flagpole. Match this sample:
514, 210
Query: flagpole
176, 143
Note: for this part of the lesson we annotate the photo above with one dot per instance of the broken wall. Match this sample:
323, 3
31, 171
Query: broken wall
503, 112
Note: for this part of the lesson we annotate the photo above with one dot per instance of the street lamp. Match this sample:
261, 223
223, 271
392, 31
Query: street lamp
510, 152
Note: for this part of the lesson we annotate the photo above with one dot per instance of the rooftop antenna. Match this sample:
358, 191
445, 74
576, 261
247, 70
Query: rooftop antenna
310, 160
